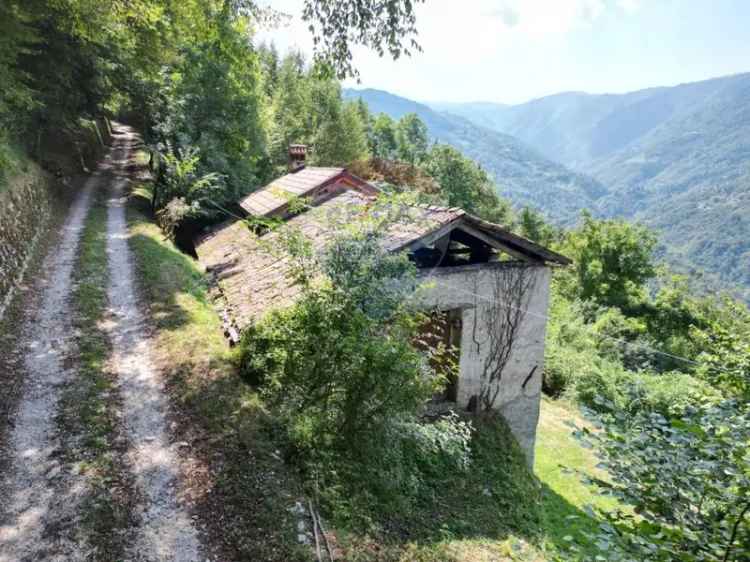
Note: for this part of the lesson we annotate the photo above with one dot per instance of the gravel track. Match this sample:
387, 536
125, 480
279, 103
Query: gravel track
166, 531
39, 494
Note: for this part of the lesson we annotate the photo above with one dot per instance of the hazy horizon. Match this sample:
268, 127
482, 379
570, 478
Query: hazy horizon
584, 92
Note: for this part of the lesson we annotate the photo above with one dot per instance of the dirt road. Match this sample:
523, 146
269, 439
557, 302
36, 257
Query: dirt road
40, 495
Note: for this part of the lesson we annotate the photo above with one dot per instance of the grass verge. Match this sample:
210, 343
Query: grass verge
240, 487
564, 497
88, 407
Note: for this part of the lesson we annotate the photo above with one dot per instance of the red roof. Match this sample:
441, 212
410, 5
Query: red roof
274, 198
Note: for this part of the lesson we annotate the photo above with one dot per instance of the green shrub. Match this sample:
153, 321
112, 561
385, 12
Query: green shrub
686, 475
339, 365
340, 371
605, 381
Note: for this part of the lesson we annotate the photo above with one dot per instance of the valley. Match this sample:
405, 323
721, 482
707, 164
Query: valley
676, 159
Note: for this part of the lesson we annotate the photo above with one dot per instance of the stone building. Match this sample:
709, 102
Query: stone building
486, 288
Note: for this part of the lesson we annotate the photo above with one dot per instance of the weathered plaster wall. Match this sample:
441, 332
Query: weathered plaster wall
24, 210
472, 289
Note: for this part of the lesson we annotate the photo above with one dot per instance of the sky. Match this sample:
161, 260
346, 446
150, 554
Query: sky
511, 51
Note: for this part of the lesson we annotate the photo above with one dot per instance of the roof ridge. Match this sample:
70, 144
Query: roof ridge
439, 208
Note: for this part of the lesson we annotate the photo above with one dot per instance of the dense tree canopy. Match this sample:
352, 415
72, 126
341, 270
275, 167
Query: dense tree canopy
613, 259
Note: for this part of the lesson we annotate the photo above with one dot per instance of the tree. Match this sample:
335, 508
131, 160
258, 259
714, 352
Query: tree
464, 184
270, 65
366, 119
290, 108
340, 138
383, 142
337, 25
613, 260
531, 224
411, 135
725, 360
17, 37
219, 100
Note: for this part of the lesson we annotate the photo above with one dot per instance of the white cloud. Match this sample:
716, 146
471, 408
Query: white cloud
539, 17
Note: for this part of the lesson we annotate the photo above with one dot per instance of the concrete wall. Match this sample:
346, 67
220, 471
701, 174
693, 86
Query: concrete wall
473, 290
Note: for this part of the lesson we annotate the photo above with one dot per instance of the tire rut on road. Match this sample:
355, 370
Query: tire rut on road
40, 493
166, 531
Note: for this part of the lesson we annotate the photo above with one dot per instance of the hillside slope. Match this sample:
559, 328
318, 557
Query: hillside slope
690, 179
577, 129
677, 158
522, 174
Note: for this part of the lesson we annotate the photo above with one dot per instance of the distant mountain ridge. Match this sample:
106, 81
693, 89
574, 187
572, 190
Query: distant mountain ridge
676, 158
521, 173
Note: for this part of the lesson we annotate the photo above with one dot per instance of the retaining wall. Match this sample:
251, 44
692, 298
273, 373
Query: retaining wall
27, 199
25, 205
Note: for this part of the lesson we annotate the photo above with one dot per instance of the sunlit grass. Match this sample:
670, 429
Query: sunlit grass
560, 459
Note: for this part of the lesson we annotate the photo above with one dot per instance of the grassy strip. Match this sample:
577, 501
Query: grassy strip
89, 405
241, 489
564, 496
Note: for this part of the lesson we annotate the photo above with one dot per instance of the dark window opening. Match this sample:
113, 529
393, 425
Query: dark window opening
440, 338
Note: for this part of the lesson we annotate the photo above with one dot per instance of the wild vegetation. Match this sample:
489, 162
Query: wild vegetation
325, 399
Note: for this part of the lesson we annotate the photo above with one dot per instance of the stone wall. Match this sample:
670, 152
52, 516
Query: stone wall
25, 205
472, 289
27, 199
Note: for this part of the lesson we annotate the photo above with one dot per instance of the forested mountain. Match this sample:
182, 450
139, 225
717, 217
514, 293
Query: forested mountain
676, 158
576, 128
520, 172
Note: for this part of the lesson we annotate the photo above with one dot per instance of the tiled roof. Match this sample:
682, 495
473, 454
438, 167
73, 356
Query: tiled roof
254, 272
277, 194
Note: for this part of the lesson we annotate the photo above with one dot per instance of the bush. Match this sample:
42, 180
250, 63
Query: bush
340, 371
686, 476
335, 375
586, 377
339, 365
